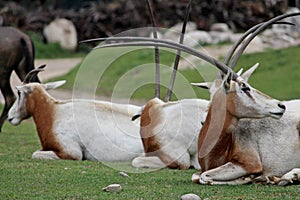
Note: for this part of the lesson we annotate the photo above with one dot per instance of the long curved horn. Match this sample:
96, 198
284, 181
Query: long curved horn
257, 31
178, 54
254, 30
156, 52
237, 43
172, 45
30, 75
243, 37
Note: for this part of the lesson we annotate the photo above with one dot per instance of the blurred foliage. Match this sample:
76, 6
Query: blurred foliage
104, 18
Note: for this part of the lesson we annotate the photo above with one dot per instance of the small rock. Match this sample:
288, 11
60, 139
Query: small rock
218, 37
195, 38
123, 174
190, 197
220, 27
113, 188
62, 31
174, 32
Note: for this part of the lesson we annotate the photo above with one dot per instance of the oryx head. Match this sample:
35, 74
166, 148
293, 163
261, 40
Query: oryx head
242, 100
19, 110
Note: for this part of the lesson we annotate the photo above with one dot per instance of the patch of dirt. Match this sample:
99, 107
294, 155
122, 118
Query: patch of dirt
56, 67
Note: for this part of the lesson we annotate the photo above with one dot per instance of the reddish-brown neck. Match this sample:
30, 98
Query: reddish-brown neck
216, 139
41, 108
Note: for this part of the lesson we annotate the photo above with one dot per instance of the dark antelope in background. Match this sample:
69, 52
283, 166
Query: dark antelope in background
16, 54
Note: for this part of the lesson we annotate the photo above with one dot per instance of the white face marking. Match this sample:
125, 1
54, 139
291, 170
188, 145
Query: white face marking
18, 111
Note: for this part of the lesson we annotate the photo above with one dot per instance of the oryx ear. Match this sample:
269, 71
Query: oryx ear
25, 88
249, 72
240, 72
204, 85
53, 85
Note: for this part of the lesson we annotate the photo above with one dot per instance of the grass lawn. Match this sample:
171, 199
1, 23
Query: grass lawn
24, 178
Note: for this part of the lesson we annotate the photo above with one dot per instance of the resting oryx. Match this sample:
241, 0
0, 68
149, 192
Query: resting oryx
231, 147
169, 133
228, 152
17, 54
168, 141
77, 129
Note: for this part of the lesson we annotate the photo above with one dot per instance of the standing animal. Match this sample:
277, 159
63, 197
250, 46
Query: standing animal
17, 54
77, 129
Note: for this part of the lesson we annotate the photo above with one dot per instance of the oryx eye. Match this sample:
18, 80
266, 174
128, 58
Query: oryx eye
246, 89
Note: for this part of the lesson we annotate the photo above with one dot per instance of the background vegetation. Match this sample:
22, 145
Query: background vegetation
102, 18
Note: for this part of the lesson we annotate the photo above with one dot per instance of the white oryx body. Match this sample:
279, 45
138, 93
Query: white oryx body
232, 148
277, 142
169, 132
78, 129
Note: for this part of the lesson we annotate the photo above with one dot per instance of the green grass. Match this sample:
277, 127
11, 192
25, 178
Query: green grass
277, 75
24, 178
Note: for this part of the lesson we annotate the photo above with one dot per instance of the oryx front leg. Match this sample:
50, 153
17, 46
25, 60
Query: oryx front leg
227, 174
148, 162
45, 155
194, 162
290, 177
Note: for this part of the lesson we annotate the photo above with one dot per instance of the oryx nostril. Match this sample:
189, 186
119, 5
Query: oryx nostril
280, 105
